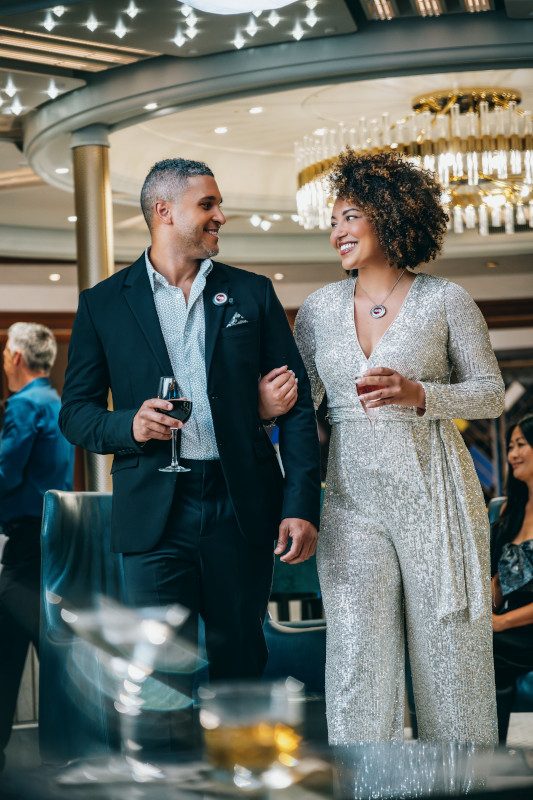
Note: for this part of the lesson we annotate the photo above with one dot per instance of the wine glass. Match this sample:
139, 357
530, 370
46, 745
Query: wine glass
181, 409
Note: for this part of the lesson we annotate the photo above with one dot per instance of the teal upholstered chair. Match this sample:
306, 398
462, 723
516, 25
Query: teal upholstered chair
524, 685
77, 565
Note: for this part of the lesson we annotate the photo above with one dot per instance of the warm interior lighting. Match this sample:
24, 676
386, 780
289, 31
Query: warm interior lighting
256, 110
278, 276
72, 218
474, 6
62, 170
380, 9
429, 8
221, 129
150, 106
132, 10
54, 277
92, 23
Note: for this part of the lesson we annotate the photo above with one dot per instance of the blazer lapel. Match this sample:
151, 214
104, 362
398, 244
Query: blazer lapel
216, 283
140, 298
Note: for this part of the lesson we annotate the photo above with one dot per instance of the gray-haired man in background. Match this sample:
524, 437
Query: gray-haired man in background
34, 457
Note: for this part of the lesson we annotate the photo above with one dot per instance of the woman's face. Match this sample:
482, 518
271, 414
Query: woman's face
353, 236
520, 456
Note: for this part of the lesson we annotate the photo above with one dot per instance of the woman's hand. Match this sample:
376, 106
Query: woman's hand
499, 623
393, 389
496, 589
278, 392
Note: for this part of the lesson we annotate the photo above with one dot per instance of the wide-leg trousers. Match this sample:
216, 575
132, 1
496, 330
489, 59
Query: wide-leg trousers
379, 566
203, 562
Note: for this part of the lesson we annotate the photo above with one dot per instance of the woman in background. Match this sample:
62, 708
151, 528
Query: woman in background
512, 571
404, 532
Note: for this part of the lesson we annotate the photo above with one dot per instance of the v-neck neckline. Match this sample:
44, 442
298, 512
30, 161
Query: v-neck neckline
385, 332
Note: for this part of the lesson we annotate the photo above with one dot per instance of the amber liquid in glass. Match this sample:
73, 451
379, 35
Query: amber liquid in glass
255, 747
364, 389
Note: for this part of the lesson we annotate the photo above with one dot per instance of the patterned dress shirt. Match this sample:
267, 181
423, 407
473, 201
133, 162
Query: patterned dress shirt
183, 328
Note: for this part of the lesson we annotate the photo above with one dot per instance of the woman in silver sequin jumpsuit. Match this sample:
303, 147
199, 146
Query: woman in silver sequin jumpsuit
403, 546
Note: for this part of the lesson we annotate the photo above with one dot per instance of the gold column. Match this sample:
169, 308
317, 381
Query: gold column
94, 242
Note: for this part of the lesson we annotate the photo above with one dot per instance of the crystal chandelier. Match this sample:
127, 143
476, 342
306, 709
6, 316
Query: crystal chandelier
477, 141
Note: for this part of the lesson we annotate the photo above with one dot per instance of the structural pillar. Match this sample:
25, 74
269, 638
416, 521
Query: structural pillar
94, 242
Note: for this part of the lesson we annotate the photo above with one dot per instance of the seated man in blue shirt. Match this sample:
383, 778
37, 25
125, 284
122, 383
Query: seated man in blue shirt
34, 457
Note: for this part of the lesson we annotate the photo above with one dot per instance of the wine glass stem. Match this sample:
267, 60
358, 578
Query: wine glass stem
175, 457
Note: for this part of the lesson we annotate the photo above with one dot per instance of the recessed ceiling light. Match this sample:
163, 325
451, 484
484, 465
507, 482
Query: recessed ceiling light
297, 32
185, 10
132, 10
311, 4
278, 276
311, 19
276, 217
256, 110
120, 29
59, 10
10, 89
72, 218
295, 218
252, 27
273, 18
491, 264
49, 22
16, 107
257, 12
92, 23
150, 106
255, 220
62, 170
221, 129
265, 224
179, 39
54, 277
52, 90
191, 32
192, 19
239, 40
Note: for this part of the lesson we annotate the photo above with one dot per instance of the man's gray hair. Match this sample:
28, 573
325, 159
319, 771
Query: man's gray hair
166, 180
35, 342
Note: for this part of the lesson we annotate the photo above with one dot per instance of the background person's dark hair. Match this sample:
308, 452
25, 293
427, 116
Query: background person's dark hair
510, 521
166, 180
401, 201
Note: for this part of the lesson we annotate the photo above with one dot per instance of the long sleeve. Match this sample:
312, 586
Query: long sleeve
16, 443
305, 339
298, 440
479, 389
84, 418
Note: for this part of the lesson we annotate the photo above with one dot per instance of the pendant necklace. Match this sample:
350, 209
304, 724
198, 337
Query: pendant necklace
379, 310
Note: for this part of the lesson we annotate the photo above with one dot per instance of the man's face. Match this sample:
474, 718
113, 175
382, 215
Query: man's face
197, 217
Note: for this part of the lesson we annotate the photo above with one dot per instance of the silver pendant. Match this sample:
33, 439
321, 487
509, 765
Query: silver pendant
376, 312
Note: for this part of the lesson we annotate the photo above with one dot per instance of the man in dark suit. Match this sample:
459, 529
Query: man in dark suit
202, 538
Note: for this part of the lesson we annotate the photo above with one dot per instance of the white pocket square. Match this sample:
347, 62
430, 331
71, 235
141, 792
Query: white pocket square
236, 319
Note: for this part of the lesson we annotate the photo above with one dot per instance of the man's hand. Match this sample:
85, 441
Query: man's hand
150, 423
303, 535
278, 392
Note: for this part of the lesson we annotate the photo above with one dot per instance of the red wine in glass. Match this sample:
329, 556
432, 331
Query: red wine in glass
366, 389
181, 410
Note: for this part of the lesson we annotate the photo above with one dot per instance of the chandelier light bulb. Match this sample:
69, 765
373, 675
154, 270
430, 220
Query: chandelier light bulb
191, 32
52, 90
273, 19
132, 10
311, 4
179, 39
311, 19
276, 217
59, 10
297, 32
191, 19
120, 29
295, 218
255, 220
265, 225
252, 27
257, 12
16, 107
92, 23
49, 22
185, 10
10, 89
239, 41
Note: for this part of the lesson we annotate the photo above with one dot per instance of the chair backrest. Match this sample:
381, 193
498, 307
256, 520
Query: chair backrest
77, 565
495, 507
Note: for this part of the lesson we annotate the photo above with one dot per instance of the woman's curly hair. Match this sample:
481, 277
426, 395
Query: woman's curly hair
401, 201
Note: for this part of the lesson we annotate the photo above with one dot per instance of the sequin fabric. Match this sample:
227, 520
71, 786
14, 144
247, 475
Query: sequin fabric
404, 528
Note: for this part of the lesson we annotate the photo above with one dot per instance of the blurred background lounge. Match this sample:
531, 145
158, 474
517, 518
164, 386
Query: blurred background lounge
93, 92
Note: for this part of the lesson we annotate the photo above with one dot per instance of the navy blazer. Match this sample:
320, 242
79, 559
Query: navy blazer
117, 344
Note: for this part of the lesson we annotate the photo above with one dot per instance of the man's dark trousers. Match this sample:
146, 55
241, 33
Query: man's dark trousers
204, 563
19, 612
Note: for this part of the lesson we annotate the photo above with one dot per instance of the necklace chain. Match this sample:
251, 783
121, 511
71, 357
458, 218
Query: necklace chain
387, 295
